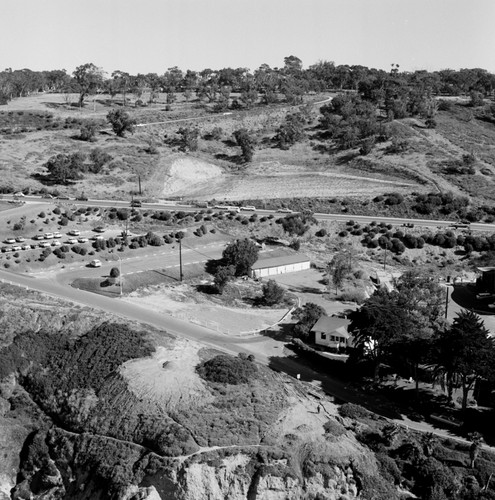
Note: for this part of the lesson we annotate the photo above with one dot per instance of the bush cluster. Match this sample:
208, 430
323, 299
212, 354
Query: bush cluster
226, 369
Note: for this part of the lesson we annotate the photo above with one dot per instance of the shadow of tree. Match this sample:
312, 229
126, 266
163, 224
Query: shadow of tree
207, 289
236, 159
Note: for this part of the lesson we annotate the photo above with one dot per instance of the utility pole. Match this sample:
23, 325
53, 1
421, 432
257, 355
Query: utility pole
120, 274
446, 301
180, 259
385, 258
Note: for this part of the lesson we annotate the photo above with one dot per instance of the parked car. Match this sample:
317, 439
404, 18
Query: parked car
63, 197
95, 263
6, 249
38, 237
82, 198
56, 243
82, 240
10, 240
16, 248
249, 208
20, 239
44, 244
284, 211
19, 193
74, 232
99, 229
72, 241
57, 235
26, 246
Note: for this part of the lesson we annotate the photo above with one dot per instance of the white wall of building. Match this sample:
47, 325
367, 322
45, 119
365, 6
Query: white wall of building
287, 268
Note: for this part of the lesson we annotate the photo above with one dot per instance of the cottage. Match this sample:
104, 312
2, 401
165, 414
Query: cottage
331, 331
280, 265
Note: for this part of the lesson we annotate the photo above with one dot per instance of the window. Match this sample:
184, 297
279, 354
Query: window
323, 336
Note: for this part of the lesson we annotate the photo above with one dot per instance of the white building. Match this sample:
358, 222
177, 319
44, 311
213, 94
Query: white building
331, 331
280, 265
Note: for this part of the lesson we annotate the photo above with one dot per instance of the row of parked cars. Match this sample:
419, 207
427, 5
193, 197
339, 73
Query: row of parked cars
48, 239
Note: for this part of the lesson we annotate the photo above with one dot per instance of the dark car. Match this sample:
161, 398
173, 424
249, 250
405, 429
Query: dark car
63, 197
136, 203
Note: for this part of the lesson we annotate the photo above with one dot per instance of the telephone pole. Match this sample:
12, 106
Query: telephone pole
180, 259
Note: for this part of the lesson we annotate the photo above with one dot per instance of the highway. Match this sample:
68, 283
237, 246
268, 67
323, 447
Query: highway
343, 217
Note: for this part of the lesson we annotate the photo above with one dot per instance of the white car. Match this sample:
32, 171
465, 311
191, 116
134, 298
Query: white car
74, 232
82, 240
95, 263
44, 244
16, 248
249, 208
19, 193
57, 235
56, 243
284, 211
48, 236
38, 237
72, 241
20, 239
10, 240
26, 247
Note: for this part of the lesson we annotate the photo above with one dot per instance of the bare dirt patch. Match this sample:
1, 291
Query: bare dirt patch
189, 174
184, 303
168, 381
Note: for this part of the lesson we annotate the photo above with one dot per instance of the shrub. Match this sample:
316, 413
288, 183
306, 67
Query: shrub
272, 293
356, 412
154, 239
114, 272
321, 233
56, 211
226, 369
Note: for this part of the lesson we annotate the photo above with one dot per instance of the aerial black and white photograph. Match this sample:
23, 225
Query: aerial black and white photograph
247, 250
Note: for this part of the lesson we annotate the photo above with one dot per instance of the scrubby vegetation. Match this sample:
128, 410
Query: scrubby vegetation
225, 369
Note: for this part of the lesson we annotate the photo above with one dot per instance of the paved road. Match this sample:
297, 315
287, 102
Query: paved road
171, 205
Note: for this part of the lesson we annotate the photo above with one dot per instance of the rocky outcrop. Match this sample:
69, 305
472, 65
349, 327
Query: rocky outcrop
203, 481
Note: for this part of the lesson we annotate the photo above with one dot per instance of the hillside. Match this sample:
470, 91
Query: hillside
108, 410
416, 158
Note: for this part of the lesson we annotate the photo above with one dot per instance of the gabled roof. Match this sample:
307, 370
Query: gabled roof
280, 261
330, 324
486, 269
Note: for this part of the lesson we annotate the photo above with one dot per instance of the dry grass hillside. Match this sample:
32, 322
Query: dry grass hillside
34, 128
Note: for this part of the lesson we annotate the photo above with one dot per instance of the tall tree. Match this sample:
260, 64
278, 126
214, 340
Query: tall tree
464, 353
306, 317
246, 143
122, 82
121, 122
241, 254
376, 326
88, 78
